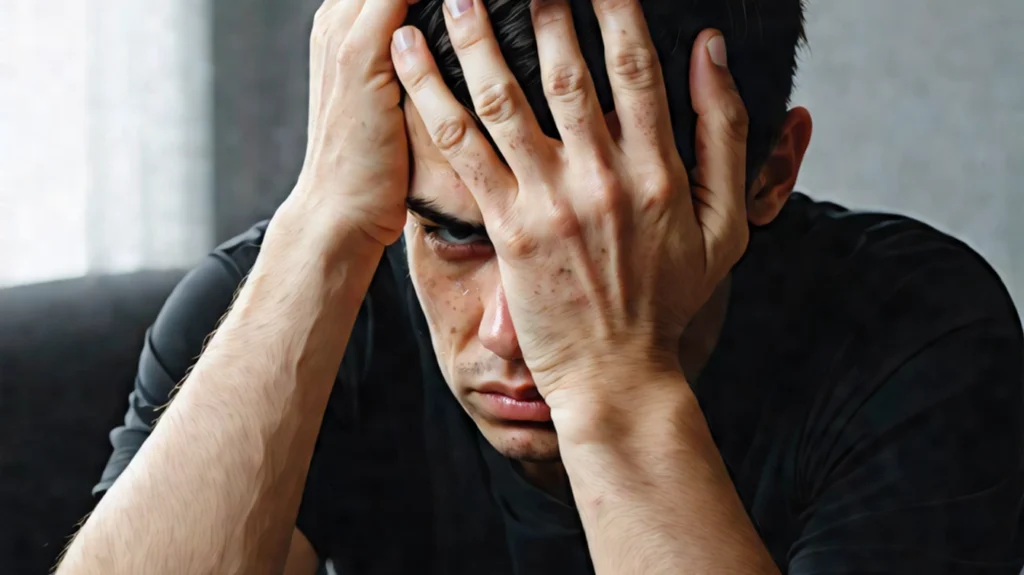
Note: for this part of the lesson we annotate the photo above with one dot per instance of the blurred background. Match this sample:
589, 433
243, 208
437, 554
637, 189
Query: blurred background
141, 134
135, 136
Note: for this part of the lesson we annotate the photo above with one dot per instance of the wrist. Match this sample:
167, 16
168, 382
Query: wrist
626, 407
309, 271
331, 223
322, 237
303, 294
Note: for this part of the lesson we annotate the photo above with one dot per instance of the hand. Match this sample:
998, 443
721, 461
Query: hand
356, 170
605, 248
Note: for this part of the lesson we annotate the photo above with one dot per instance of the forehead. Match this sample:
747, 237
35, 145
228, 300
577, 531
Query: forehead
433, 178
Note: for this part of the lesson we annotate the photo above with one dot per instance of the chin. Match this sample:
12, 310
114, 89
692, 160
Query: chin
528, 442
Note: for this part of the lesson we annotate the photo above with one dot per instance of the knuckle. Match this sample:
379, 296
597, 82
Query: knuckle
566, 82
465, 39
496, 103
449, 134
637, 67
608, 6
519, 244
347, 55
320, 34
563, 221
326, 27
658, 190
549, 12
415, 77
319, 15
606, 194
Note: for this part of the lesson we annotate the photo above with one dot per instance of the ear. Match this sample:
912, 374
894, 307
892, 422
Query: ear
771, 189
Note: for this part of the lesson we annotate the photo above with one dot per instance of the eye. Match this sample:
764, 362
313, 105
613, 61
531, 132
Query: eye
457, 236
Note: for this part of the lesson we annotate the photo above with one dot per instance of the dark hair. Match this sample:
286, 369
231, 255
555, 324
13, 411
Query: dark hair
762, 38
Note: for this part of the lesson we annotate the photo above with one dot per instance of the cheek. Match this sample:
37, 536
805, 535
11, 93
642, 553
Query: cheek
448, 294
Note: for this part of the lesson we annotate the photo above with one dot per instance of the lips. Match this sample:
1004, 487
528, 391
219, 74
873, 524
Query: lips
525, 392
522, 403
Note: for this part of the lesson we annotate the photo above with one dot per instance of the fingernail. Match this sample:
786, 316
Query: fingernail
458, 7
404, 39
716, 49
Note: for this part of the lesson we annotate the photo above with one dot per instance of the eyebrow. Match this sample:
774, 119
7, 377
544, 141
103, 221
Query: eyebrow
429, 210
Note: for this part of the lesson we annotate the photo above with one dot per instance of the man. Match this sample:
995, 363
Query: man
622, 396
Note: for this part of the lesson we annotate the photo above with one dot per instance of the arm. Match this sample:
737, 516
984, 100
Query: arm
560, 238
219, 480
177, 336
926, 478
606, 249
652, 490
216, 487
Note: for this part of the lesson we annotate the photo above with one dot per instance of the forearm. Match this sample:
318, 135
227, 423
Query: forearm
216, 487
652, 490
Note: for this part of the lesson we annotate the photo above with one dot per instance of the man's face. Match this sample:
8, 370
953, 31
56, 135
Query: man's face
455, 273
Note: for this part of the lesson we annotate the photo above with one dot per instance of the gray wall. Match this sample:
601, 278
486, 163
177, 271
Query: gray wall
919, 108
261, 87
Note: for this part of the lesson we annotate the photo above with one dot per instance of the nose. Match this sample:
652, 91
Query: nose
496, 331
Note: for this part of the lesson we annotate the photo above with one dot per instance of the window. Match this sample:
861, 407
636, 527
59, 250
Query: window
105, 146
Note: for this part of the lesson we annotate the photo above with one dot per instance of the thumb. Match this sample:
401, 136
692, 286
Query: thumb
721, 149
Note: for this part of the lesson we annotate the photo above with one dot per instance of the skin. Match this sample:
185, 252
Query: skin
460, 292
563, 220
458, 282
219, 480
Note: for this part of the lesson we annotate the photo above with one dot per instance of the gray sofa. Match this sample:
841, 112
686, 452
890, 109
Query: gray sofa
68, 353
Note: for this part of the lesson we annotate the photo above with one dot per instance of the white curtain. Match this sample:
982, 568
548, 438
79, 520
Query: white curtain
105, 136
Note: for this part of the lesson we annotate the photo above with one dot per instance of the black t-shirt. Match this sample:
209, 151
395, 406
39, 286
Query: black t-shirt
867, 396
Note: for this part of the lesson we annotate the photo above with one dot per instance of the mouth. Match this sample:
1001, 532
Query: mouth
514, 404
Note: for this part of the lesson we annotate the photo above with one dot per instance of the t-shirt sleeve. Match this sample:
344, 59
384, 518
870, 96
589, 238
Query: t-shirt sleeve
172, 345
923, 475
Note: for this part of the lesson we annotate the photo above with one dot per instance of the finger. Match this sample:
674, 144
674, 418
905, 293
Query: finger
719, 185
336, 15
634, 73
450, 125
567, 82
378, 20
498, 99
324, 8
331, 25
